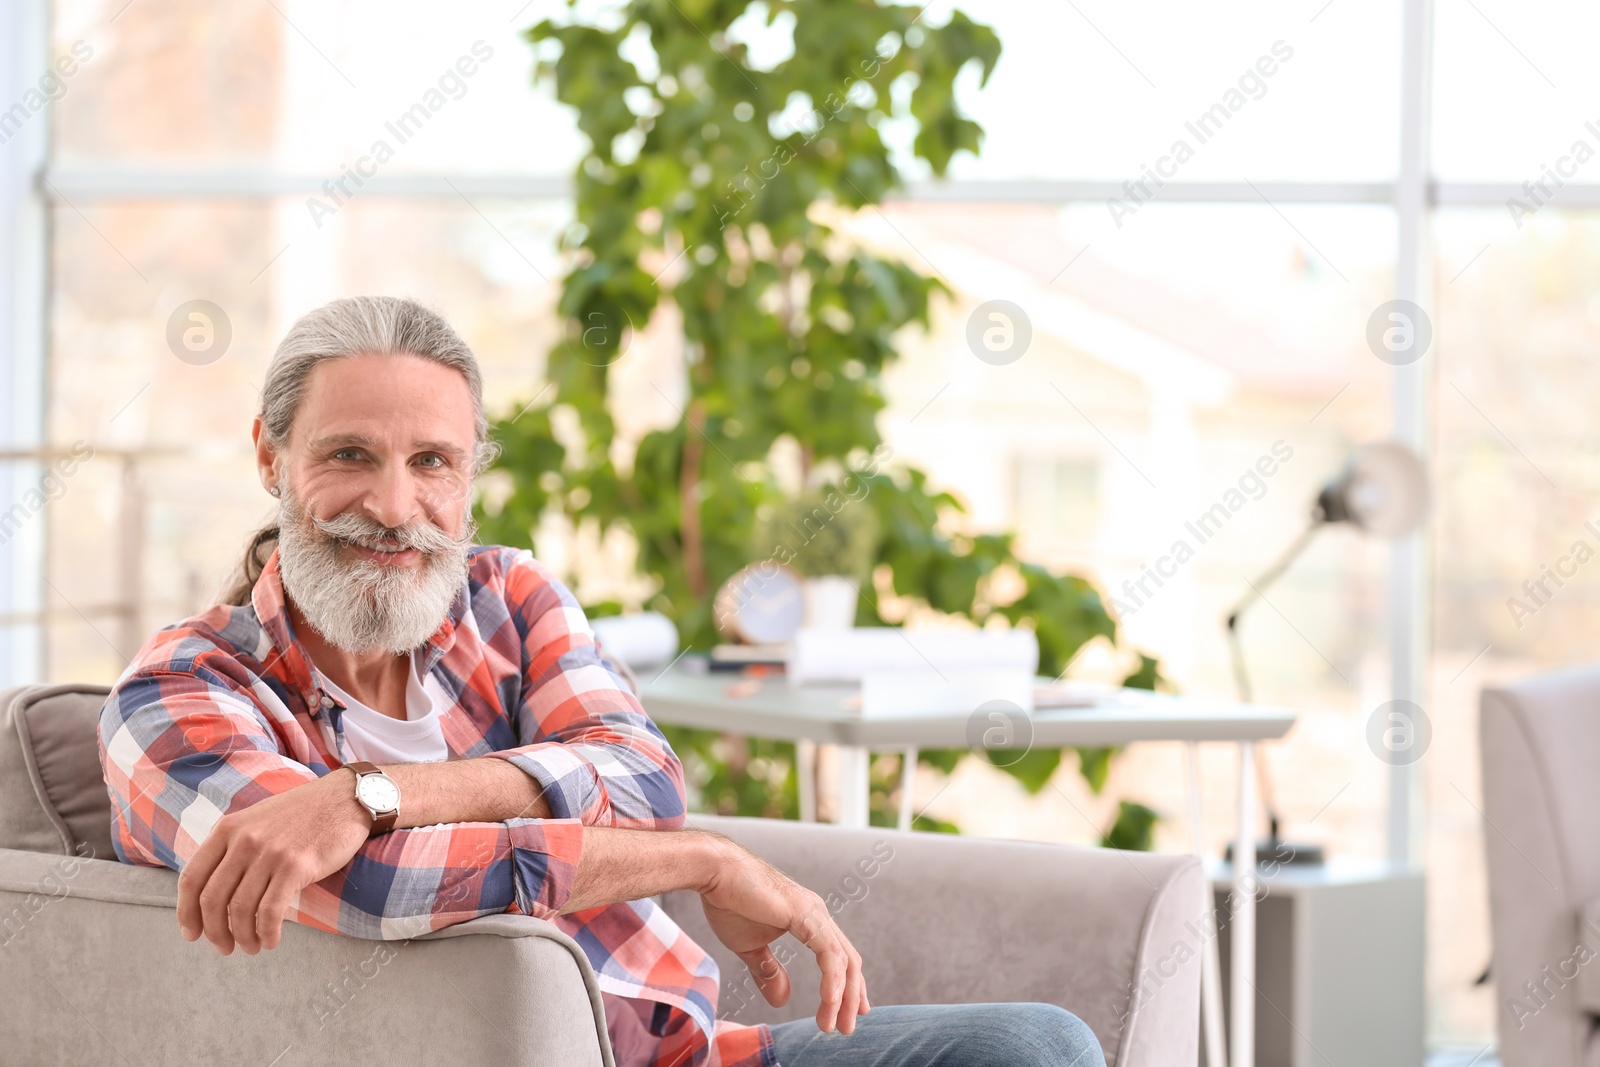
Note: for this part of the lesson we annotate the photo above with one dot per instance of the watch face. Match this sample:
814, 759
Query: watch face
378, 792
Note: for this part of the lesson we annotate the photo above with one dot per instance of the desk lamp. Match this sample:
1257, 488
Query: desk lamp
1383, 490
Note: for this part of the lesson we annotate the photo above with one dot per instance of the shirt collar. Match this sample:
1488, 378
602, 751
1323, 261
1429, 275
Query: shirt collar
271, 607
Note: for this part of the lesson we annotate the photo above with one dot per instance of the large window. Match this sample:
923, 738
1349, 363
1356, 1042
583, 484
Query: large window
1193, 309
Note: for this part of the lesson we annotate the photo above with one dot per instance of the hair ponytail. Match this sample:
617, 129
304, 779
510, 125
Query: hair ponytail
255, 561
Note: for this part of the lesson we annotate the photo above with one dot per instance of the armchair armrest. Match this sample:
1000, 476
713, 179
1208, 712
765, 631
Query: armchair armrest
1114, 937
1582, 958
93, 970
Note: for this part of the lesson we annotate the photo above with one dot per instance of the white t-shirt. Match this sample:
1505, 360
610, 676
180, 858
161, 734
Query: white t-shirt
378, 738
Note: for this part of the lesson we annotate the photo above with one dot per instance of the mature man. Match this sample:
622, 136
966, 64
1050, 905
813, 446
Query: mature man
387, 729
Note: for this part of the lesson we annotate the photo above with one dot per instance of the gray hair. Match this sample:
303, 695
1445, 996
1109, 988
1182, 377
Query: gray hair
350, 327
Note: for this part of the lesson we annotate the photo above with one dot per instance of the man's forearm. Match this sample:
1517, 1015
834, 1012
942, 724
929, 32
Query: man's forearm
614, 864
617, 864
485, 789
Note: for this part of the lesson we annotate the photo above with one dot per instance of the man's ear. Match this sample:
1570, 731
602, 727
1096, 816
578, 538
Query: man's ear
267, 458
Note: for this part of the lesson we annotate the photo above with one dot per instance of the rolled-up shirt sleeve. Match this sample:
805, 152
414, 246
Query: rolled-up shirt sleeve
180, 749
583, 733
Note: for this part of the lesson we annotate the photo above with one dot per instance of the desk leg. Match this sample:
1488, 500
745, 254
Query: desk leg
908, 781
855, 785
805, 769
1242, 955
1210, 963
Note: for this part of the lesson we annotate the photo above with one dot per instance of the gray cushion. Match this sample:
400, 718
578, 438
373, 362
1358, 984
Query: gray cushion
53, 795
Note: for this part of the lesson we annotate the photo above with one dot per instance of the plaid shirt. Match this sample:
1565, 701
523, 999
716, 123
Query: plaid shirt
226, 708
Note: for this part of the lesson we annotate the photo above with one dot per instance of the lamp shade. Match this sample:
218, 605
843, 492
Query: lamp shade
1383, 490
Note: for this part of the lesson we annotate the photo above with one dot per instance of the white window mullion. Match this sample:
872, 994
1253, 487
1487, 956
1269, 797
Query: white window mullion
24, 265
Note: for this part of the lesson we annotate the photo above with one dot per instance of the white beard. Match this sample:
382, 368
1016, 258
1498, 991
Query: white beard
367, 605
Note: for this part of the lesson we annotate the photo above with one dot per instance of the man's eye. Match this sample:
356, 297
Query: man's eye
341, 453
434, 455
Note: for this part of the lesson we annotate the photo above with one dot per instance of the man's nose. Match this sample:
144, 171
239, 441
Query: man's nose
392, 501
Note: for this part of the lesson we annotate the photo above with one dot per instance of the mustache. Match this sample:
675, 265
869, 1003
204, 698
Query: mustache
359, 530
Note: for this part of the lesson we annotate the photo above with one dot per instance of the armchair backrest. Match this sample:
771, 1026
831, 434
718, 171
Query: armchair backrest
1540, 741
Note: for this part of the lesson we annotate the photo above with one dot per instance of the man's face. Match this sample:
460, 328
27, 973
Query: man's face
376, 481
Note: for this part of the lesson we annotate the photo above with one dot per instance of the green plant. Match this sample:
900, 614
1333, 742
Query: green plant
819, 533
709, 189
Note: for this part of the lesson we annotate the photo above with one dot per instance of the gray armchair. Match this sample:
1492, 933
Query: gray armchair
1540, 741
93, 970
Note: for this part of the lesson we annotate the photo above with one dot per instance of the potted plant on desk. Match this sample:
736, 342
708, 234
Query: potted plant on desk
830, 539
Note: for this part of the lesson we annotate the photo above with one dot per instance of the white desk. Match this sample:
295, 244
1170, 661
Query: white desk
773, 708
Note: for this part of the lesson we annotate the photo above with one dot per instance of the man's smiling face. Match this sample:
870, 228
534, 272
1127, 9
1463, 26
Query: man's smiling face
376, 486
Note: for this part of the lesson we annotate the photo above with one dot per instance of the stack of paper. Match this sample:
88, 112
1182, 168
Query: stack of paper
843, 656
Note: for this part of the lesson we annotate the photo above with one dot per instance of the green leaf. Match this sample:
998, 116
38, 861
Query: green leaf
1095, 765
1032, 768
1146, 676
943, 760
1134, 828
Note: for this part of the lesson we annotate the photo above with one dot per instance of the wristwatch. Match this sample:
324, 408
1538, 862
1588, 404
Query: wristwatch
379, 794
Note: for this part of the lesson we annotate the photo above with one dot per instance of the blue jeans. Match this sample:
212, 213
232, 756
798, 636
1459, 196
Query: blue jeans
945, 1035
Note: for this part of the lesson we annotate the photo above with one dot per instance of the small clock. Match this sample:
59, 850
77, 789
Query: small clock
764, 604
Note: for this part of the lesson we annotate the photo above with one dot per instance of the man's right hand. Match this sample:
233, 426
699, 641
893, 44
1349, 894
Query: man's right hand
241, 883
750, 904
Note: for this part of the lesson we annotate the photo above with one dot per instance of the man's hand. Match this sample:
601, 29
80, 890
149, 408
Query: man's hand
749, 904
240, 883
